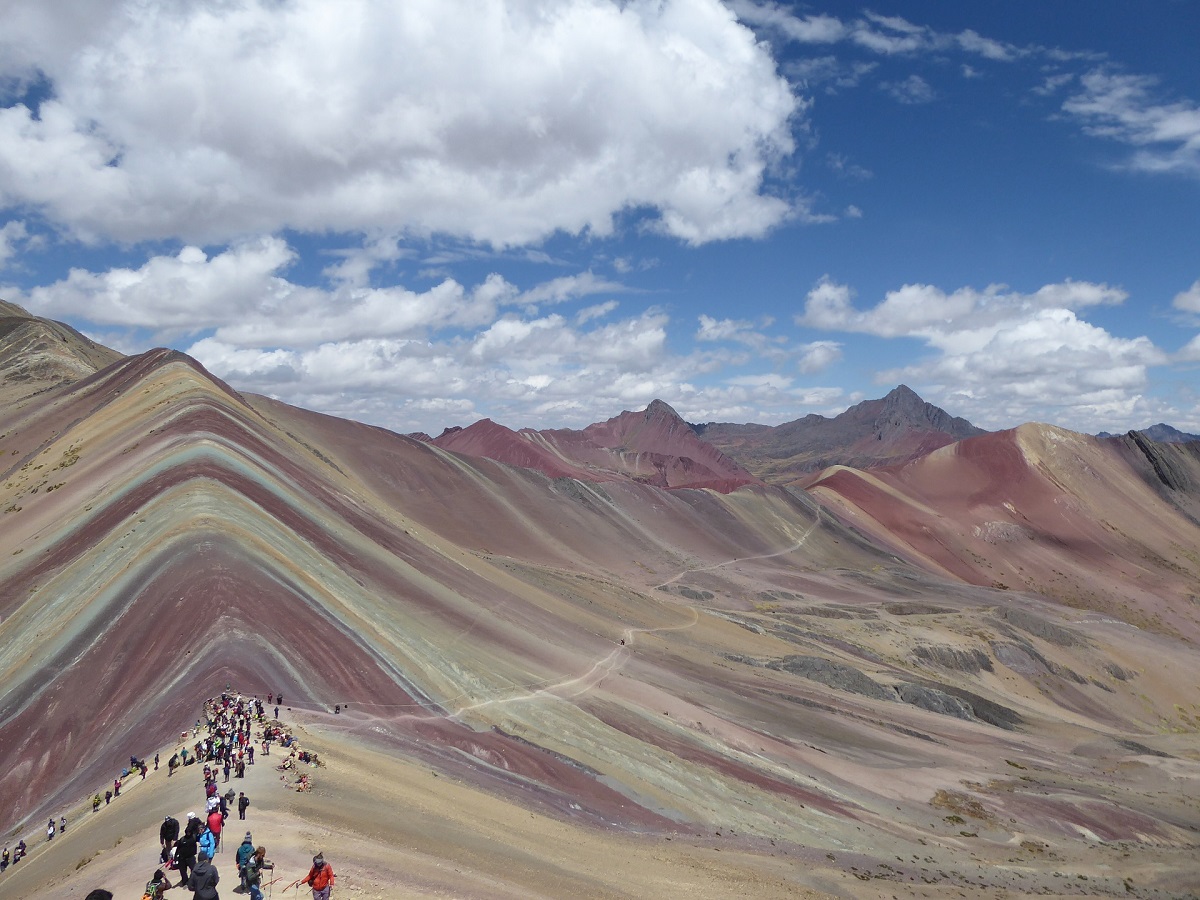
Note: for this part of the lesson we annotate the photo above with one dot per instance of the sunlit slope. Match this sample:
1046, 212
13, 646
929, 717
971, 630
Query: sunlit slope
1084, 521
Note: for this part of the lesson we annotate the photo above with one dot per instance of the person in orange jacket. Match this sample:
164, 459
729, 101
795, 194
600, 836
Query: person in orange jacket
319, 878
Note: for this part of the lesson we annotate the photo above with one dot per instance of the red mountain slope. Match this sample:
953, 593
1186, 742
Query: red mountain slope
654, 447
1038, 508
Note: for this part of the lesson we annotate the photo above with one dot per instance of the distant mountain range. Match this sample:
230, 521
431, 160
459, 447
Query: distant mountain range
895, 429
656, 446
1160, 433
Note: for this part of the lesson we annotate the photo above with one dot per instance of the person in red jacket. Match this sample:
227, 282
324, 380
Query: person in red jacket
319, 878
215, 822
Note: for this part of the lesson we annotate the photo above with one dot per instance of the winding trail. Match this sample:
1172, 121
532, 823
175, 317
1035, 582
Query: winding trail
604, 666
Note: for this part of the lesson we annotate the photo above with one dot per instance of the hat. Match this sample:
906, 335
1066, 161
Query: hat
247, 838
191, 815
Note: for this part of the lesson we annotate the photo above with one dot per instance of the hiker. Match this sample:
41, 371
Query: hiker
62, 824
155, 762
172, 764
185, 851
50, 831
108, 795
19, 853
243, 804
156, 885
168, 832
96, 803
116, 787
203, 880
4, 859
244, 851
254, 869
216, 822
207, 843
319, 878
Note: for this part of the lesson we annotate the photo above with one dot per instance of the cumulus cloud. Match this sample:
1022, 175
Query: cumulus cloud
498, 122
12, 236
1123, 108
180, 294
518, 370
1000, 356
1189, 300
818, 356
244, 296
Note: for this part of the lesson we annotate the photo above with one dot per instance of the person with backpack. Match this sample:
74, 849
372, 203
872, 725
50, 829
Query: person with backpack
203, 880
244, 851
319, 878
216, 822
208, 843
168, 832
50, 831
186, 849
243, 804
156, 885
254, 869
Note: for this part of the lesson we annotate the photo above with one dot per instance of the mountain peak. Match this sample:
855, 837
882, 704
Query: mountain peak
659, 409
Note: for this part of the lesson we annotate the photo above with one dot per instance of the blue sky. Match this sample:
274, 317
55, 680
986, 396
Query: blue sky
420, 214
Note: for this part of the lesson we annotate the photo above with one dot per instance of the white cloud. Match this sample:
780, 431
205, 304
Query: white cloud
180, 294
912, 90
569, 287
12, 235
818, 29
973, 42
242, 294
818, 356
1053, 83
1001, 357
721, 329
1190, 352
596, 311
499, 122
1189, 300
844, 168
1121, 108
891, 35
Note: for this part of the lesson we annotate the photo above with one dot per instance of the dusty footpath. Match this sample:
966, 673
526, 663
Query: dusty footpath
389, 829
392, 829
